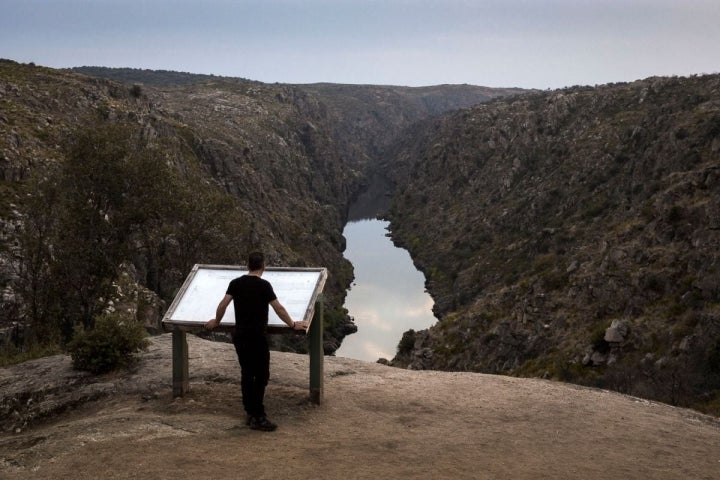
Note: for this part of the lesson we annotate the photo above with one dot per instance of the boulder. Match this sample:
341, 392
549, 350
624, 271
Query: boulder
618, 331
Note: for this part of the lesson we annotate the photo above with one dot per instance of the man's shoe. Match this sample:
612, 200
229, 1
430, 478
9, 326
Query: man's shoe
262, 423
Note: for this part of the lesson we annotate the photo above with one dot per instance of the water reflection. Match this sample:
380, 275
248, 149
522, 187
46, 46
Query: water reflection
388, 296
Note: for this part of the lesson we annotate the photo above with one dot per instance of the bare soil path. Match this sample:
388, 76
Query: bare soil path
375, 422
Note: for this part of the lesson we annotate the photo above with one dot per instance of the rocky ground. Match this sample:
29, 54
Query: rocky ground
375, 422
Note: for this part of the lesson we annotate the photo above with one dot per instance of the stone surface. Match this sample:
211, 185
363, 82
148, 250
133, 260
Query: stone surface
618, 331
375, 422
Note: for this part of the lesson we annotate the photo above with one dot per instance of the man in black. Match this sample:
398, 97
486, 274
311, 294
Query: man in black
251, 296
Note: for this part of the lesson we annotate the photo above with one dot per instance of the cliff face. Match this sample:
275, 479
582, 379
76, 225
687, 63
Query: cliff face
369, 118
268, 147
283, 161
262, 146
571, 234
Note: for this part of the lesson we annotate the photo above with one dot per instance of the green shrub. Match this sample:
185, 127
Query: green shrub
136, 91
407, 343
544, 262
655, 282
555, 279
713, 360
597, 337
595, 207
111, 344
333, 318
710, 407
675, 214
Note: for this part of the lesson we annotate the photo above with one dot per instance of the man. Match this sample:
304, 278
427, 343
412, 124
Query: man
251, 296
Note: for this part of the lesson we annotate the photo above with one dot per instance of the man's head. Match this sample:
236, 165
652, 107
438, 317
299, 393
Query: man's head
256, 261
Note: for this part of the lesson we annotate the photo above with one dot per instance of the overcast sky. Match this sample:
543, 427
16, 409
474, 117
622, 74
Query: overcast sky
499, 43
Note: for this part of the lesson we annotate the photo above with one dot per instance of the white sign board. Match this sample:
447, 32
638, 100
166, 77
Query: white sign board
296, 288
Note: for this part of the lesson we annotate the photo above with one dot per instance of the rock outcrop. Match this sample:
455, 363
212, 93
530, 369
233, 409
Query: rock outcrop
570, 234
266, 145
291, 157
375, 422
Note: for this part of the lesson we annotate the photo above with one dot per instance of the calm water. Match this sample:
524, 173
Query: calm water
388, 295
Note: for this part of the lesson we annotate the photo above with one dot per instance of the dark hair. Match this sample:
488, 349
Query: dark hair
256, 261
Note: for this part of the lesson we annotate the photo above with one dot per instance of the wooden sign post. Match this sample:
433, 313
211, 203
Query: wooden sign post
317, 353
298, 289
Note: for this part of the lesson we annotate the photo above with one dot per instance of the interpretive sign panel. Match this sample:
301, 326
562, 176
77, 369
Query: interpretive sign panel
296, 288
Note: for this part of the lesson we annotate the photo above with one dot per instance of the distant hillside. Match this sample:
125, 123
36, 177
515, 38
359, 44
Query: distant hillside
371, 117
365, 118
146, 77
571, 234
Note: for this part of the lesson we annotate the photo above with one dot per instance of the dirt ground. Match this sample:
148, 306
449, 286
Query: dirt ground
375, 422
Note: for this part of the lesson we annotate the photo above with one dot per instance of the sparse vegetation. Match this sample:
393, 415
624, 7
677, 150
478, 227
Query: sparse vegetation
595, 215
136, 90
110, 344
559, 210
123, 203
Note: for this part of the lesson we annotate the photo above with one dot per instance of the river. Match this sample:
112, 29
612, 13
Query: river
388, 294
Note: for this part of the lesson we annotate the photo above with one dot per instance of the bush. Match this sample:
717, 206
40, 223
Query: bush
407, 343
136, 91
111, 344
597, 337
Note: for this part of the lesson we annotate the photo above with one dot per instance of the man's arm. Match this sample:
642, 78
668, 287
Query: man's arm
219, 312
285, 316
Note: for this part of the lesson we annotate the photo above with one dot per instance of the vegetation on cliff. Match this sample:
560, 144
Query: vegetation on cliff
102, 181
154, 171
572, 234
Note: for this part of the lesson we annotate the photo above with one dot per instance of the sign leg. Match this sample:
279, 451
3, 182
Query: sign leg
181, 376
317, 354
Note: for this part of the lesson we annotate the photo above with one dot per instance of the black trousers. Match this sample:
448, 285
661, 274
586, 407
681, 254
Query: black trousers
254, 357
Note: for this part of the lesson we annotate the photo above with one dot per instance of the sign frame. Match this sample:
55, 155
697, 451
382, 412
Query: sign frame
314, 332
275, 325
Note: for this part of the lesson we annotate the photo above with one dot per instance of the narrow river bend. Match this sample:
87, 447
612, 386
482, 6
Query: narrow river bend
388, 294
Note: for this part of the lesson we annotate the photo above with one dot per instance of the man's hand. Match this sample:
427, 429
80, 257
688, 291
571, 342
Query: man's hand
300, 326
212, 323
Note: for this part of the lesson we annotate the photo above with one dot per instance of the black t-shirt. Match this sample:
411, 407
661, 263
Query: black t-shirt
251, 297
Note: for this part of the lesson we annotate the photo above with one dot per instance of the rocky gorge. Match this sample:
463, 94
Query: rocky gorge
252, 166
569, 234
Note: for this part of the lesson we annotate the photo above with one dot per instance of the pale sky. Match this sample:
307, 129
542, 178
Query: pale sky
498, 43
